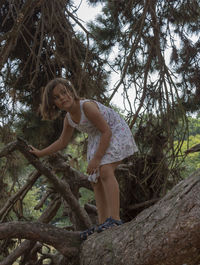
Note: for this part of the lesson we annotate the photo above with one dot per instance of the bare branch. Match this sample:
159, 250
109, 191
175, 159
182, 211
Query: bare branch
21, 193
9, 148
65, 242
133, 49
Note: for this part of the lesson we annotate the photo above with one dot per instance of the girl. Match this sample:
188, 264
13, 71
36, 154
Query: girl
109, 142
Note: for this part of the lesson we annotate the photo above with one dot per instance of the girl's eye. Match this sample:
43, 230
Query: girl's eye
64, 92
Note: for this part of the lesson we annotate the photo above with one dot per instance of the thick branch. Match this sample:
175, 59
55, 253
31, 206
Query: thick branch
65, 242
73, 176
166, 233
195, 148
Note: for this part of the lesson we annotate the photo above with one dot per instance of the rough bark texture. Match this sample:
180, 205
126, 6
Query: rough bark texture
65, 242
164, 234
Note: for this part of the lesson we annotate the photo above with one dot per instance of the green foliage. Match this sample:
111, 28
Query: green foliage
194, 126
77, 150
87, 196
192, 160
30, 201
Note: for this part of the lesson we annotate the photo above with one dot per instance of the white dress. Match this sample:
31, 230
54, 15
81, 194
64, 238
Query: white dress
122, 143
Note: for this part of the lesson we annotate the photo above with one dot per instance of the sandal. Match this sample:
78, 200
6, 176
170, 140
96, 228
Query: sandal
110, 222
84, 235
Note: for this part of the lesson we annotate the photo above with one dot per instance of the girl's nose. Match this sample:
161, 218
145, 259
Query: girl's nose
61, 96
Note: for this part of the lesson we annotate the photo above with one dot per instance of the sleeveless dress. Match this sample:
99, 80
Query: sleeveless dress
122, 143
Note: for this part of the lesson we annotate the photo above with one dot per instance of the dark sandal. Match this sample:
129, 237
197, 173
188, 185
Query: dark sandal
110, 222
84, 235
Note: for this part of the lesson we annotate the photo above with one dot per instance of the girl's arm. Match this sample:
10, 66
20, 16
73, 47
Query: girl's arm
93, 114
59, 144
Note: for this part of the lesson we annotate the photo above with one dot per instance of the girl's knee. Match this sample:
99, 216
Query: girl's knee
106, 171
103, 169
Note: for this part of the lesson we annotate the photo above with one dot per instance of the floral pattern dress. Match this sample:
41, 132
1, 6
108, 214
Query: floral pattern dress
122, 143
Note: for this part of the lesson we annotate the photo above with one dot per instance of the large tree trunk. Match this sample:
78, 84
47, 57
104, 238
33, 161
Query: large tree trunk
164, 234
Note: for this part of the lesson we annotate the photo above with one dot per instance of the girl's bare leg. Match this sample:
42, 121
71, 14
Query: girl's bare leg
111, 200
101, 202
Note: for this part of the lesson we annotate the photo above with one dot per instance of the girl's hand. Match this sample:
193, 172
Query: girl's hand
35, 151
93, 166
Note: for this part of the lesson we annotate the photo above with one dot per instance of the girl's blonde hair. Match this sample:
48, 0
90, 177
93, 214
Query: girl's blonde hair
48, 108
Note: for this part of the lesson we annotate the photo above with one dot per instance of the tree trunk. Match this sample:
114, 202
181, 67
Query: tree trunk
164, 234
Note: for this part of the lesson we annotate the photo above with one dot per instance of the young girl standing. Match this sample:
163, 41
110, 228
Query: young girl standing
109, 142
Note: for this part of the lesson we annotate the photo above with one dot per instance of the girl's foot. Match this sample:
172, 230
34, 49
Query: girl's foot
110, 222
84, 235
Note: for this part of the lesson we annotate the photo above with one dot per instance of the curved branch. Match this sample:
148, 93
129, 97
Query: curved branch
65, 242
61, 186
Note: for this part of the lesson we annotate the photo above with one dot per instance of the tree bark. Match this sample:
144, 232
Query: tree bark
164, 234
65, 242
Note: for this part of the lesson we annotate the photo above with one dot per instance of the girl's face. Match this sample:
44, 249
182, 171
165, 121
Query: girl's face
62, 97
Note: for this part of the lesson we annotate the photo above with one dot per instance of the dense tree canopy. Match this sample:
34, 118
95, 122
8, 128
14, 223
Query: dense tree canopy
149, 50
